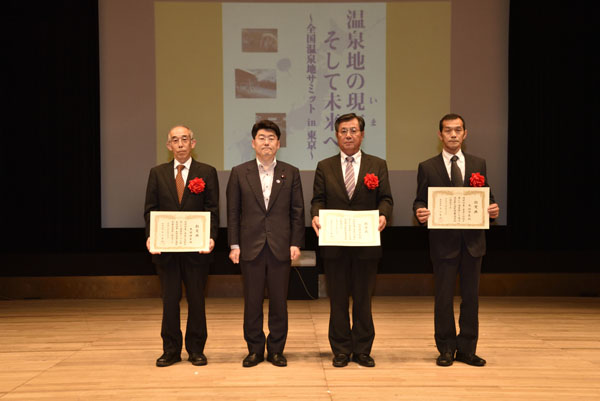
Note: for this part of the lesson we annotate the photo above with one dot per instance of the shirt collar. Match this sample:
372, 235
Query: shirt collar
447, 156
267, 168
356, 156
187, 164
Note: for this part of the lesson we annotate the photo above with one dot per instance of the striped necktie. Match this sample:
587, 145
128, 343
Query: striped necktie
179, 182
349, 177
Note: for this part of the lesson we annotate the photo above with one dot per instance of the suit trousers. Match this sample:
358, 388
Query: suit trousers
468, 268
265, 268
194, 277
350, 276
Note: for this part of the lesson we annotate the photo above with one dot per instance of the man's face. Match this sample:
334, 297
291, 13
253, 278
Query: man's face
265, 144
181, 144
350, 136
452, 135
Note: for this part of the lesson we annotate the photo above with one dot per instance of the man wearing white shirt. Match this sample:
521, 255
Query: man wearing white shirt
454, 252
341, 182
169, 189
265, 230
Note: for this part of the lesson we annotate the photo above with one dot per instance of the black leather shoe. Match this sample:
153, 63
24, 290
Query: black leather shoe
445, 359
277, 359
363, 360
197, 359
470, 359
340, 360
252, 360
168, 359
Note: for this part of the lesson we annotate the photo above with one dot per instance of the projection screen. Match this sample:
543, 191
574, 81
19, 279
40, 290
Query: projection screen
217, 67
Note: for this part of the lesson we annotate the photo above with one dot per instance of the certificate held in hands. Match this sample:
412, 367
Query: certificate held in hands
349, 227
179, 231
458, 207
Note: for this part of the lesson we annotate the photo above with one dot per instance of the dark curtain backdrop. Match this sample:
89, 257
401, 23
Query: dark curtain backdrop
50, 129
553, 124
51, 143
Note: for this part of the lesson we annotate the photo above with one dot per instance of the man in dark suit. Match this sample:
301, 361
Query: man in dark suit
351, 271
454, 252
265, 226
168, 190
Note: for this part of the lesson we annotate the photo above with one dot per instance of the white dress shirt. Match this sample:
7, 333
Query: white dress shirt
266, 179
461, 162
184, 171
355, 164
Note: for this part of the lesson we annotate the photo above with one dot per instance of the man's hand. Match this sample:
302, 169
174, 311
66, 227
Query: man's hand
211, 246
148, 247
294, 252
315, 225
234, 255
494, 210
382, 223
422, 214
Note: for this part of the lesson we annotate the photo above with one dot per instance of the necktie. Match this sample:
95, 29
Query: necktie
455, 174
179, 182
349, 177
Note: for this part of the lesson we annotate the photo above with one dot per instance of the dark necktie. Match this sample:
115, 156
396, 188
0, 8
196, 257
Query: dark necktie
179, 182
349, 176
455, 174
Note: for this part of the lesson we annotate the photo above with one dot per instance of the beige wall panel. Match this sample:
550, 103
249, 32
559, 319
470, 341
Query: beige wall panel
418, 79
189, 76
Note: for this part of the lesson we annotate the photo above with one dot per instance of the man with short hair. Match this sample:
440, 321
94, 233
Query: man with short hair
351, 271
169, 190
454, 252
265, 229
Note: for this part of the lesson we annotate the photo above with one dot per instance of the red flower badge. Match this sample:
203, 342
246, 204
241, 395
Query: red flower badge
197, 185
477, 180
371, 181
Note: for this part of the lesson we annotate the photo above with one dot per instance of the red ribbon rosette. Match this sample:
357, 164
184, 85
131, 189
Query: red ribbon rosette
371, 181
197, 185
477, 180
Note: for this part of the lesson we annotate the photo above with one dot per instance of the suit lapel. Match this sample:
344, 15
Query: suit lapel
169, 172
365, 166
193, 173
440, 166
254, 183
468, 170
338, 173
278, 177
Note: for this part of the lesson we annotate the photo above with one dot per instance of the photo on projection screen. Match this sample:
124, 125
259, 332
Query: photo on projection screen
218, 67
313, 63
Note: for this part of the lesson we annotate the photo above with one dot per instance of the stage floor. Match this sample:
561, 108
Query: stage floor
536, 349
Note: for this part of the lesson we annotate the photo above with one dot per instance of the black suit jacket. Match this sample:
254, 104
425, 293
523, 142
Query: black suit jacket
161, 194
444, 244
329, 192
251, 225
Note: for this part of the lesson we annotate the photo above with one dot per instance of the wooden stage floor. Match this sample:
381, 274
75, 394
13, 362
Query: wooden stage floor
536, 348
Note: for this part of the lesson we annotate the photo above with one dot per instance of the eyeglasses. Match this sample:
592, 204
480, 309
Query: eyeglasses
184, 139
351, 131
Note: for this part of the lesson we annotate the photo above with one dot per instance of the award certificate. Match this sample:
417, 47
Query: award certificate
179, 231
458, 207
349, 227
